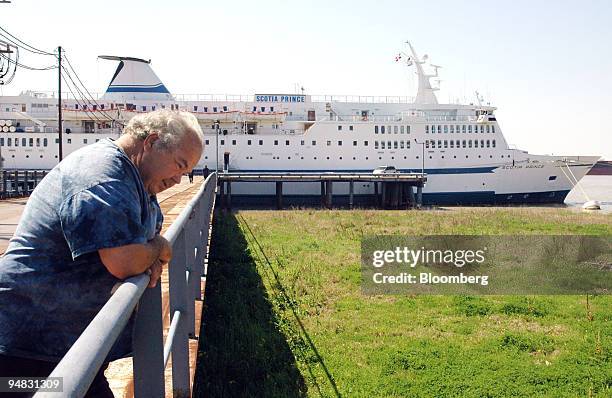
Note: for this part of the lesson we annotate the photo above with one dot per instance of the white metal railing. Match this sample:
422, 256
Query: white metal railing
188, 235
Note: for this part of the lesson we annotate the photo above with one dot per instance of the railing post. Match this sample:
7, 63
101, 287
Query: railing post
148, 345
178, 298
192, 248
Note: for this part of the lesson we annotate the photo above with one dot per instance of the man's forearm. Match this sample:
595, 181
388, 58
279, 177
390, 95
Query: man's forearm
129, 260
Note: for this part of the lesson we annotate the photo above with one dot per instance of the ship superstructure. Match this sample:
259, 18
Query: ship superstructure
460, 147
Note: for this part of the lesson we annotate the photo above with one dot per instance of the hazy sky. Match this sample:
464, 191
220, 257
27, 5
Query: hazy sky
547, 65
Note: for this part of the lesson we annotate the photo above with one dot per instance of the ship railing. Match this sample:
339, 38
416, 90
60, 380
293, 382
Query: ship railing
189, 236
451, 118
363, 99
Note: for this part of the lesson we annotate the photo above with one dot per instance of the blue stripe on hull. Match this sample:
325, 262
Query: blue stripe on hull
446, 198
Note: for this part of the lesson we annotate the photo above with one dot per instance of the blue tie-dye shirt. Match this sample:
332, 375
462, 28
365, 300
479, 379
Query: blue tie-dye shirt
52, 281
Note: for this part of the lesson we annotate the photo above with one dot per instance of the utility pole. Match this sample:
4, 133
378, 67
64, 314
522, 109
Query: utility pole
59, 101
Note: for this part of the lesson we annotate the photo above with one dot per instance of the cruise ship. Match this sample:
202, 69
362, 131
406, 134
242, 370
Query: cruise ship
461, 148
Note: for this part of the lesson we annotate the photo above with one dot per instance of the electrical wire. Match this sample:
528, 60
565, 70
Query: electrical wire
102, 111
25, 45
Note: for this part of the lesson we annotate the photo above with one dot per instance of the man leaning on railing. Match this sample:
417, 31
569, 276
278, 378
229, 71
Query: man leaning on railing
92, 221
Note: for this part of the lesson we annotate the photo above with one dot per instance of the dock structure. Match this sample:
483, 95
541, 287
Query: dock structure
17, 183
393, 191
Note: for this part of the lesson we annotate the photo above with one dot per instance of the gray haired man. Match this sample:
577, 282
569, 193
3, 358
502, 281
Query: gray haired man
94, 220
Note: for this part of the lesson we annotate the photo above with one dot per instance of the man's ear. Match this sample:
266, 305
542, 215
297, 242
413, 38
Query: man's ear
150, 140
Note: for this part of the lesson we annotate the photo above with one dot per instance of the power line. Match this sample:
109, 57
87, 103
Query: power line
17, 63
91, 96
85, 101
26, 45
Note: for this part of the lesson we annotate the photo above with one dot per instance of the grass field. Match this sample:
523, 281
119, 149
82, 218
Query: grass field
284, 314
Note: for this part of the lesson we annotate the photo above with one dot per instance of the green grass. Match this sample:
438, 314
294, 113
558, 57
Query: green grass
285, 316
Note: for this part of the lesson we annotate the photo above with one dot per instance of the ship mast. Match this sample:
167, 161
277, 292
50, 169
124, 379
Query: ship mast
425, 93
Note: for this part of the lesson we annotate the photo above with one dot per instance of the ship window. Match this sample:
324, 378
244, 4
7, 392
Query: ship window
1, 141
354, 143
470, 128
222, 142
389, 144
206, 142
382, 145
23, 142
57, 140
388, 129
492, 129
394, 129
401, 129
302, 142
463, 144
31, 141
488, 144
97, 139
144, 108
445, 129
426, 143
339, 143
69, 141
493, 143
452, 129
375, 129
275, 142
248, 142
195, 108
382, 129
482, 143
401, 144
394, 144
481, 129
16, 141
263, 108
445, 144
552, 178
314, 143
84, 141
233, 142
9, 141
350, 128
214, 109
224, 108
76, 106
407, 144
339, 128
439, 143
452, 143
271, 109
287, 142
365, 143
439, 129
427, 129
469, 143
205, 109
407, 129
375, 144
488, 129
260, 142
328, 142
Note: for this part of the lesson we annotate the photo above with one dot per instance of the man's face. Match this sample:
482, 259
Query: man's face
161, 169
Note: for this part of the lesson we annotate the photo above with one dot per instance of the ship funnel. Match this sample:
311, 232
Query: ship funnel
133, 80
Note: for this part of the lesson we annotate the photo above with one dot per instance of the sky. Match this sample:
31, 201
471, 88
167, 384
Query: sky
546, 65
